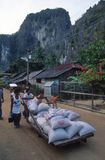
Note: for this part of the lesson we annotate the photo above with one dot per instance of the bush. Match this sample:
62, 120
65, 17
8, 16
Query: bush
1, 84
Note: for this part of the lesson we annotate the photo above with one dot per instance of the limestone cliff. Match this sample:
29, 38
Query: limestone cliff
49, 33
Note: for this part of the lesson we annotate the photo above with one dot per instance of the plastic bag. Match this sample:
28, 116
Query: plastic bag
10, 117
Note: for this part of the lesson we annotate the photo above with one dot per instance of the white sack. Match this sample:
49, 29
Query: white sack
86, 128
73, 129
73, 116
41, 121
59, 122
33, 105
43, 107
56, 135
46, 128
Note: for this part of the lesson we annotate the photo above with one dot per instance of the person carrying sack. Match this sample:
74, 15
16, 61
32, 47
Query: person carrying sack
16, 112
10, 116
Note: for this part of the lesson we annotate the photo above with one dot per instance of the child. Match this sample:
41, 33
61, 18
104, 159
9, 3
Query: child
16, 102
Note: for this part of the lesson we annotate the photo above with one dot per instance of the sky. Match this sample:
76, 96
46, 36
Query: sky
13, 12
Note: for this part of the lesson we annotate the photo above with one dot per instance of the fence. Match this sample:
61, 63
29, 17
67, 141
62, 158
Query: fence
79, 95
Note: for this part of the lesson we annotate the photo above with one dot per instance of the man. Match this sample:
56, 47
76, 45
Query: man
26, 101
1, 101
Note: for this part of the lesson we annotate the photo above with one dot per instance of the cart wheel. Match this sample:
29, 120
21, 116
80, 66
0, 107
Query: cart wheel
84, 140
39, 136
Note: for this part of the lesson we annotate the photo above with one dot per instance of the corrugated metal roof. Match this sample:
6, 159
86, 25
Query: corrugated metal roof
31, 75
56, 71
21, 75
34, 74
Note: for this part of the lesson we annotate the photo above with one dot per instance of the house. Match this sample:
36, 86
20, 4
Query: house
57, 73
17, 76
32, 78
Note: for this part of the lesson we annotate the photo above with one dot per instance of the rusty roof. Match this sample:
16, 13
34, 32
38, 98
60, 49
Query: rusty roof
57, 71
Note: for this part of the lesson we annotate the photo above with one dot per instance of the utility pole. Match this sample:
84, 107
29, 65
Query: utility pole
27, 70
28, 58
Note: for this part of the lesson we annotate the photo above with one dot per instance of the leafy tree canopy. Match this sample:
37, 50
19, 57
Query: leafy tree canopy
93, 54
93, 60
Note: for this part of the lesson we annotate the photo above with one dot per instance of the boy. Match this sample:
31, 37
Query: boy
16, 103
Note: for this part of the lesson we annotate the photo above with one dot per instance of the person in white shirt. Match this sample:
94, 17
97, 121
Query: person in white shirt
26, 102
27, 97
16, 103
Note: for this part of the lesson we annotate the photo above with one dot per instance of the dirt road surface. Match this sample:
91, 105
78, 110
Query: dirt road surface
24, 144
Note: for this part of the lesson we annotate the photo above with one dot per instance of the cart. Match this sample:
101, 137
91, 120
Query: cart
59, 143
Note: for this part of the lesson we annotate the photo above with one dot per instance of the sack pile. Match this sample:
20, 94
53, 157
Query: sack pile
60, 124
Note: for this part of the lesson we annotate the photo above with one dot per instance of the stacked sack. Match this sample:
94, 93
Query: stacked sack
65, 124
38, 110
60, 124
60, 120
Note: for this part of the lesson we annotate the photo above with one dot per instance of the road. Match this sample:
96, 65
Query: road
24, 144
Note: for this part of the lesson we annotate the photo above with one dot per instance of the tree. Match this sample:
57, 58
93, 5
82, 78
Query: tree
94, 53
17, 66
51, 60
39, 55
93, 60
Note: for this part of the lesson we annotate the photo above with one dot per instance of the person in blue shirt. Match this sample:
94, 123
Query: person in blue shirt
1, 101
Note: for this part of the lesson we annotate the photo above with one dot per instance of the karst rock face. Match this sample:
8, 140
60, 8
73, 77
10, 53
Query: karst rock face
48, 29
51, 30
